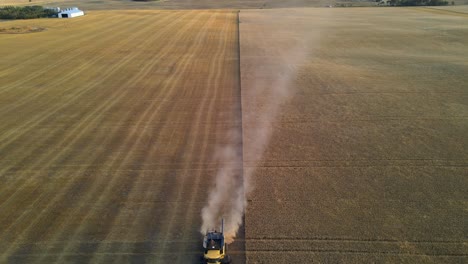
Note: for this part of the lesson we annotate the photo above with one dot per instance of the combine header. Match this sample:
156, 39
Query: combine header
215, 248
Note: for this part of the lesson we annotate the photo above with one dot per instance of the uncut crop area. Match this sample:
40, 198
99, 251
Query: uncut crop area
108, 125
367, 155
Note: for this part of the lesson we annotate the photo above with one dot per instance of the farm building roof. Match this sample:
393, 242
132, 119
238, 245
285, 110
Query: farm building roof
71, 10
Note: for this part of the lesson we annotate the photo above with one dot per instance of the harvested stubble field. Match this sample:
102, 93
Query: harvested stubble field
368, 157
108, 125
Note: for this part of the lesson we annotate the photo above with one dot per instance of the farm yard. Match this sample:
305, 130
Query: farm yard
354, 128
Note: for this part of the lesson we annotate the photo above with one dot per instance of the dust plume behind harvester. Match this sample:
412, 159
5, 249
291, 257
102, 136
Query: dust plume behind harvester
261, 104
226, 197
227, 194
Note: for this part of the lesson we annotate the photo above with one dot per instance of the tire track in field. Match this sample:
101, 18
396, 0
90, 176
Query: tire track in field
173, 254
66, 45
72, 53
67, 42
147, 190
128, 59
295, 163
169, 89
338, 245
31, 54
348, 239
32, 95
336, 239
125, 60
361, 252
38, 162
67, 139
113, 178
211, 116
13, 135
194, 131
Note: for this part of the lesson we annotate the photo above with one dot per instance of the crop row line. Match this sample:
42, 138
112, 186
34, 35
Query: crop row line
358, 240
266, 240
186, 253
282, 251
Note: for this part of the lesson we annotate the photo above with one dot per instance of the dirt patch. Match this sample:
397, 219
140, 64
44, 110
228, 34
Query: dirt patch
21, 30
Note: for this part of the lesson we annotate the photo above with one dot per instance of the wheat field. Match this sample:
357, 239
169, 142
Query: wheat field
368, 153
353, 121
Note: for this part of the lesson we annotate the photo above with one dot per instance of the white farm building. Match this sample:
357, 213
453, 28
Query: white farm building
70, 12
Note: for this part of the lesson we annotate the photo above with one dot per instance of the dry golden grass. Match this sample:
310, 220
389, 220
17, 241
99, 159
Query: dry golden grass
368, 157
108, 124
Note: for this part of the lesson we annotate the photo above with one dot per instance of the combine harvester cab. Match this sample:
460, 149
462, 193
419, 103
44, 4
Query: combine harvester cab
215, 248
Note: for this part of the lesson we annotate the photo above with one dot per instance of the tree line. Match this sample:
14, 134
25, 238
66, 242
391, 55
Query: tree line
25, 12
418, 2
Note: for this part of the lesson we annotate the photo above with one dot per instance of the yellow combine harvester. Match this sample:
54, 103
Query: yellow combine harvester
215, 248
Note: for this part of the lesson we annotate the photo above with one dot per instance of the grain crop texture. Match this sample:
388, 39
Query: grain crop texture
368, 157
108, 125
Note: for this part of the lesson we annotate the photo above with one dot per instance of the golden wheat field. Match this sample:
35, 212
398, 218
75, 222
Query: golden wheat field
368, 155
354, 128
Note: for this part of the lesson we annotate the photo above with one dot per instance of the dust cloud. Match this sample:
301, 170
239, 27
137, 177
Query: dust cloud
226, 199
267, 84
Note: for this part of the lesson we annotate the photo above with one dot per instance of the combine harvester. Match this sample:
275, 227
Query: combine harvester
215, 248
